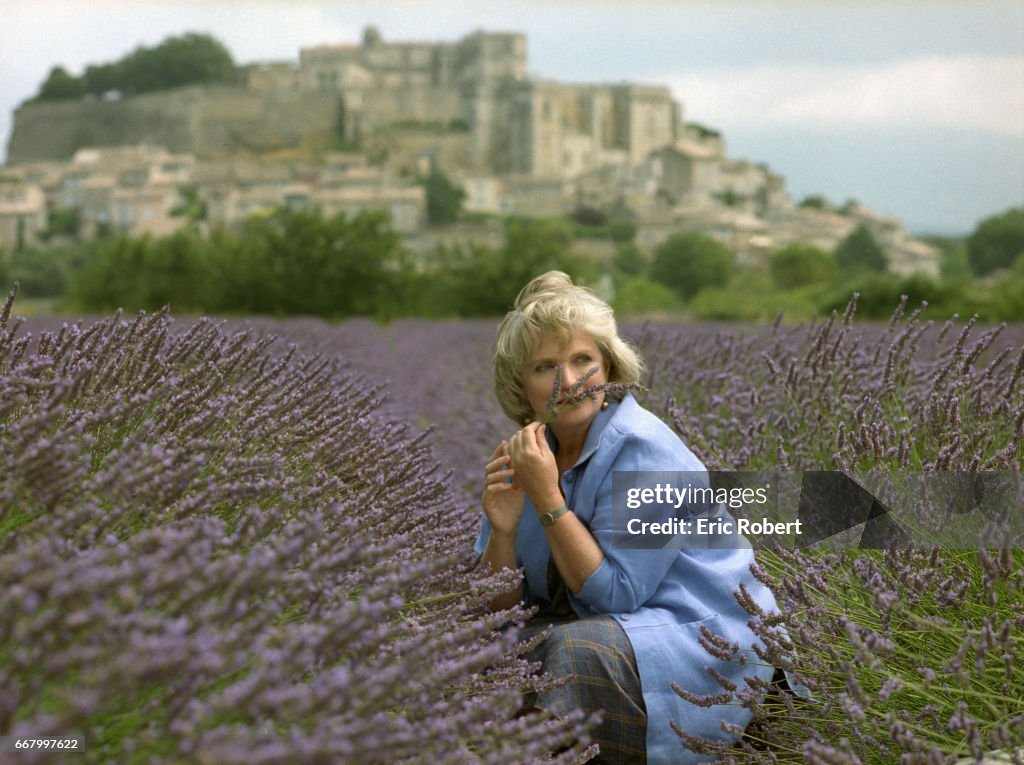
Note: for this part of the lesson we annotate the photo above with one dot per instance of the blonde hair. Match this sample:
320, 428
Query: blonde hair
550, 305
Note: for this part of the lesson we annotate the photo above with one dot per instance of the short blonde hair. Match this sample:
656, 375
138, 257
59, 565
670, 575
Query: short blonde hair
550, 305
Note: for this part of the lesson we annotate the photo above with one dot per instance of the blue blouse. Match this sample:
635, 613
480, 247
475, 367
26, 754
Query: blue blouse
661, 597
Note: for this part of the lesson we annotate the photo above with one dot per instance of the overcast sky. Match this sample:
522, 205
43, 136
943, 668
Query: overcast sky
913, 107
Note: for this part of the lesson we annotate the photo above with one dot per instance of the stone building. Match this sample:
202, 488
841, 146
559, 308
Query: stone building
560, 130
467, 103
23, 215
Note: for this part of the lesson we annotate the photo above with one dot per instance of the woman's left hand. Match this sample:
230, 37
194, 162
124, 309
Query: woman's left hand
535, 466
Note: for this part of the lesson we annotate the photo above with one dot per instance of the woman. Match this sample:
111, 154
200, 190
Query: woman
626, 621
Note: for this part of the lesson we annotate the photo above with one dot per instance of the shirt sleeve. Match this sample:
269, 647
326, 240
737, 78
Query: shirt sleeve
628, 576
485, 534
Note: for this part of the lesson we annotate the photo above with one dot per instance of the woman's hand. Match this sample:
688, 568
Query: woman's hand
502, 498
535, 467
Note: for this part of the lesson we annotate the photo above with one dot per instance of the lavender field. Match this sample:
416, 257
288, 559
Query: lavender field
249, 540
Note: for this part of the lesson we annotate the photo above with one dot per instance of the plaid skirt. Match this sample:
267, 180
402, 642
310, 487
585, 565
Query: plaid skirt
598, 657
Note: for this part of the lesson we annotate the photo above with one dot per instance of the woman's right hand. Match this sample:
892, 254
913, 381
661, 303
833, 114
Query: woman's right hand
502, 498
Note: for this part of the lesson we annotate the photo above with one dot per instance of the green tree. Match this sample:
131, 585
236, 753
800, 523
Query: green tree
953, 265
444, 198
1007, 299
814, 202
176, 273
687, 262
112, 276
798, 265
184, 60
860, 252
629, 260
302, 262
476, 280
880, 294
64, 221
102, 78
586, 215
190, 205
59, 85
996, 242
637, 294
622, 231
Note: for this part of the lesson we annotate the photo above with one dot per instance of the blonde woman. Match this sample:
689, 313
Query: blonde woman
626, 621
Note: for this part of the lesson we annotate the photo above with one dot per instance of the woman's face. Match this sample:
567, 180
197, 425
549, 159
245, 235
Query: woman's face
576, 358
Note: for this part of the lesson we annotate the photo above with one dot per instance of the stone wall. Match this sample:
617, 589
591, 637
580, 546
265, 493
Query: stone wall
55, 130
207, 122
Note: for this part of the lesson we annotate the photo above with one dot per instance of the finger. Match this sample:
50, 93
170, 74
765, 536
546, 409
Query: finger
540, 440
499, 476
502, 449
496, 464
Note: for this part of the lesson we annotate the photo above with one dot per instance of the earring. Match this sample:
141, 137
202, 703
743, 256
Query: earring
604, 404
527, 421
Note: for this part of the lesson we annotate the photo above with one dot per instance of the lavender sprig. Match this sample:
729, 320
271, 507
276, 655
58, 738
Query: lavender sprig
576, 393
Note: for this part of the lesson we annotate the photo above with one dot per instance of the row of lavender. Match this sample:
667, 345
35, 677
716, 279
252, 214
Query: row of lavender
927, 668
217, 549
214, 548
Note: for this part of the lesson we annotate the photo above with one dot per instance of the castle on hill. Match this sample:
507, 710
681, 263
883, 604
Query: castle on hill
476, 87
381, 114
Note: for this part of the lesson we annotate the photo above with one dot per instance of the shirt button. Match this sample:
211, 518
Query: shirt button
570, 477
624, 617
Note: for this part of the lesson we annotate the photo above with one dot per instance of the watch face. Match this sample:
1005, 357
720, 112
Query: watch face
547, 519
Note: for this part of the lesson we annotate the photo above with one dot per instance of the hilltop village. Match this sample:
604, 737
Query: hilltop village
354, 127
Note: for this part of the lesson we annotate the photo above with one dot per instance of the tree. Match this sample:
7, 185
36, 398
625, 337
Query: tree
629, 260
444, 198
798, 265
687, 262
189, 59
59, 85
814, 202
996, 242
859, 252
586, 215
637, 294
621, 231
185, 60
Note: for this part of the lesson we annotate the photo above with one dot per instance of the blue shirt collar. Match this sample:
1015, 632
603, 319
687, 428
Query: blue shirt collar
597, 426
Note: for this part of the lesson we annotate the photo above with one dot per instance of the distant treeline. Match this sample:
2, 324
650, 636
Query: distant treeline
301, 262
186, 60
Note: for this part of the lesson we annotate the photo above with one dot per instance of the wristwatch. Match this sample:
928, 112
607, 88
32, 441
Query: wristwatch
548, 519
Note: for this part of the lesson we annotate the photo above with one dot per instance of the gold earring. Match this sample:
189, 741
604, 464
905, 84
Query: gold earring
604, 404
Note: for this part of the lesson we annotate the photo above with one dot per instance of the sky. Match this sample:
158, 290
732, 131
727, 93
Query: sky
914, 108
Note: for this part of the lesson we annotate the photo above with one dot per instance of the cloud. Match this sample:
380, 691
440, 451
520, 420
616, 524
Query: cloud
971, 92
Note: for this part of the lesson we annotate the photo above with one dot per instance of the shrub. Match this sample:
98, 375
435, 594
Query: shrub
638, 295
909, 655
687, 262
860, 252
878, 294
213, 551
996, 242
798, 265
